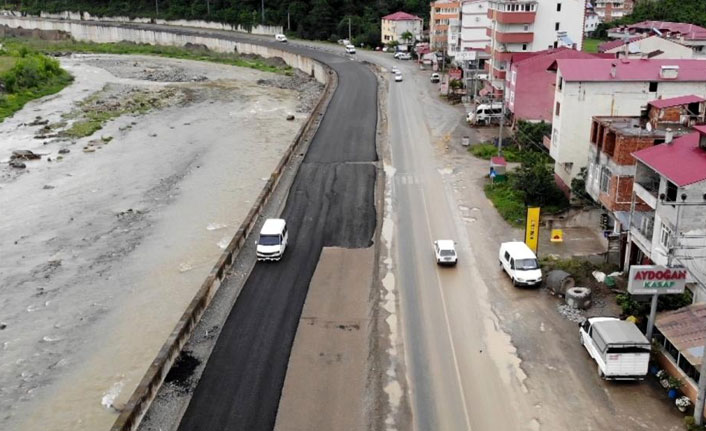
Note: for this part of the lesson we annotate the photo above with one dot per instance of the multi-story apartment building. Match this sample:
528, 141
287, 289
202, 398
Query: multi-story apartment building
393, 26
611, 166
592, 20
474, 25
441, 12
609, 10
671, 180
592, 87
527, 26
529, 89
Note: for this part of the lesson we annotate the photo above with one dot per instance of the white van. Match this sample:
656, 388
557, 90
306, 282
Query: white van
280, 38
520, 263
619, 348
273, 239
350, 49
485, 113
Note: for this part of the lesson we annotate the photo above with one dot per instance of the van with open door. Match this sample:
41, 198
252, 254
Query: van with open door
273, 239
520, 263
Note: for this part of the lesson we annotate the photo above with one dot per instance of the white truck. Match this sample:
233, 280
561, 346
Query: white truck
619, 348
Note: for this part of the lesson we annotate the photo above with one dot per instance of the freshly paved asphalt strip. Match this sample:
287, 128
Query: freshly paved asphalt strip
331, 203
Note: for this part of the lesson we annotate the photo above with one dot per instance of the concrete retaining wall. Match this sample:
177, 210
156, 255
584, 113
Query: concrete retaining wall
85, 16
107, 33
148, 387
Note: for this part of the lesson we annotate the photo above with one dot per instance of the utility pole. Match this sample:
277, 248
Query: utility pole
349, 29
701, 393
262, 8
289, 25
502, 122
208, 7
156, 8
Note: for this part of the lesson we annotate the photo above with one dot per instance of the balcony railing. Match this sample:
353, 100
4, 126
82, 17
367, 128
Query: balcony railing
651, 185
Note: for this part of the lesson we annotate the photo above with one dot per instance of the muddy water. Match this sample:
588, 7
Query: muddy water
100, 252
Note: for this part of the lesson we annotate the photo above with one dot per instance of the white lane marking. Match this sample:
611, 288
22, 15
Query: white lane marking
448, 324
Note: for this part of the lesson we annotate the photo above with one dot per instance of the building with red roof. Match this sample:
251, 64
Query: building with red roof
690, 35
393, 26
586, 88
529, 86
648, 46
671, 179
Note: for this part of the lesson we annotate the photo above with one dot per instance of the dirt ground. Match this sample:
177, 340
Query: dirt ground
105, 238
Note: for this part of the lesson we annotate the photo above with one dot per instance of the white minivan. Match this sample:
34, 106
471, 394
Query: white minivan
273, 239
350, 49
520, 263
280, 38
485, 113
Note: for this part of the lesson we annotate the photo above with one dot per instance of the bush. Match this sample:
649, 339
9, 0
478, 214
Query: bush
536, 179
630, 306
508, 201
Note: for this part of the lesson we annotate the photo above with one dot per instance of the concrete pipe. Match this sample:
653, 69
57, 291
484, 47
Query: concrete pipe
578, 297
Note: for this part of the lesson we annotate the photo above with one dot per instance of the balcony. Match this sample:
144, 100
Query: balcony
514, 37
642, 229
647, 189
499, 73
501, 56
512, 17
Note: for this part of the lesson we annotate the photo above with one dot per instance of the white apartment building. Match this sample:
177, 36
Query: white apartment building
474, 25
599, 87
591, 22
609, 10
529, 26
440, 14
671, 179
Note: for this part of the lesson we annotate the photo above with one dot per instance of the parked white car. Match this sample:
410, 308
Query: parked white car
619, 348
445, 252
395, 70
280, 38
404, 56
520, 263
435, 77
398, 77
350, 49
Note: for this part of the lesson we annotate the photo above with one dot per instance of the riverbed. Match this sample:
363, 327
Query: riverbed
106, 238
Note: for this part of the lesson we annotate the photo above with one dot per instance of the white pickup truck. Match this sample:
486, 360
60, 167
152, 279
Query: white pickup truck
617, 346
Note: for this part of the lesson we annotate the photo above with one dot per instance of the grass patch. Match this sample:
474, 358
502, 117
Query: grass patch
591, 45
512, 154
508, 201
62, 46
6, 63
83, 128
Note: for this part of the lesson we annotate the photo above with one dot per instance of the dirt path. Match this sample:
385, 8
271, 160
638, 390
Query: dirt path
106, 238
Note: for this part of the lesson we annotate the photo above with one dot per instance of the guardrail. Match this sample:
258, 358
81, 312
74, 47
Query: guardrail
148, 387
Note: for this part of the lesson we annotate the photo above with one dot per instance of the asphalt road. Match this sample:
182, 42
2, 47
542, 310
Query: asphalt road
331, 203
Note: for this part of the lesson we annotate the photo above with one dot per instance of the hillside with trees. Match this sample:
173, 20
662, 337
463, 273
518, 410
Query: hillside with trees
309, 19
689, 11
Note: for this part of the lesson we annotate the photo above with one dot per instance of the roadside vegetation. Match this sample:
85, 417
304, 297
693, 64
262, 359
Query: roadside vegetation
688, 11
199, 53
532, 184
25, 75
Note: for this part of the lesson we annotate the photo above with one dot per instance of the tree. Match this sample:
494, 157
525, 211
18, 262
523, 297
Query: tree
407, 36
535, 178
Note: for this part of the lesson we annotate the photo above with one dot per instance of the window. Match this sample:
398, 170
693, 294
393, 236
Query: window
671, 195
556, 26
653, 87
605, 180
513, 76
524, 47
558, 7
664, 236
561, 82
526, 27
557, 110
556, 44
